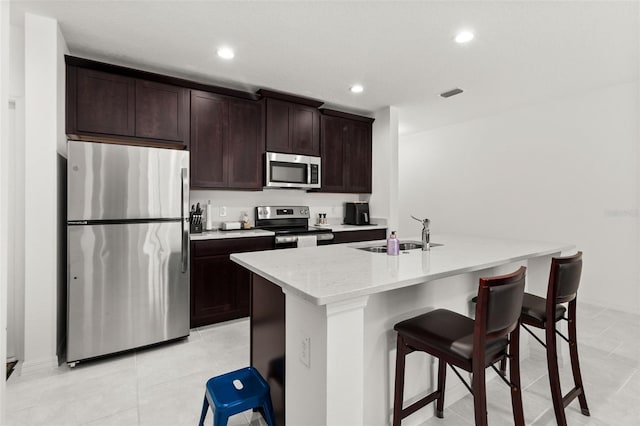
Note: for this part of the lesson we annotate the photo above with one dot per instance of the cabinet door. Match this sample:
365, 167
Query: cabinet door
333, 159
220, 287
246, 144
305, 130
215, 295
277, 126
104, 103
162, 112
209, 156
358, 158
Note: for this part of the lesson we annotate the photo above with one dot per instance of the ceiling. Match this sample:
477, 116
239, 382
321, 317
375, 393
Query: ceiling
402, 52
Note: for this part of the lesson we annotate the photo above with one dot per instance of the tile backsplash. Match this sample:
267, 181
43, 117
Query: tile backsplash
236, 203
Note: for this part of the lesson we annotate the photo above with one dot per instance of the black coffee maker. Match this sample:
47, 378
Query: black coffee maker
356, 213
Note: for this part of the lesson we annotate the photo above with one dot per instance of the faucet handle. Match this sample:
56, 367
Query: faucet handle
425, 222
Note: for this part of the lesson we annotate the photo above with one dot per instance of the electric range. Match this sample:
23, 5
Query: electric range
288, 223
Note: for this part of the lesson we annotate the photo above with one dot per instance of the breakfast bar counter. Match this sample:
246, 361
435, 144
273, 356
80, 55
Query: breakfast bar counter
325, 315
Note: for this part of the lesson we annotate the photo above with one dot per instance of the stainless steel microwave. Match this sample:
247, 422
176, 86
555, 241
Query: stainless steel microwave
292, 171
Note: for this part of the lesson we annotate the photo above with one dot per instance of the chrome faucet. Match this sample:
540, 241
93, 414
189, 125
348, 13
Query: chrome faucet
425, 233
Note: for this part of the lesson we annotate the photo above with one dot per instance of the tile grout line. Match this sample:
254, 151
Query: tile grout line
628, 379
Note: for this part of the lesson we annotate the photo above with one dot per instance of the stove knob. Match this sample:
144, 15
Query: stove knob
304, 211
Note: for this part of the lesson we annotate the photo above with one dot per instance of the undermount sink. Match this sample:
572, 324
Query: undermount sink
376, 249
404, 246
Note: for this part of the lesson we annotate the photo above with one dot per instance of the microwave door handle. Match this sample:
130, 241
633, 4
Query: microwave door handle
308, 173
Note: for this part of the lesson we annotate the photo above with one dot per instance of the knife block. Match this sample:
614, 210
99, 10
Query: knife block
195, 221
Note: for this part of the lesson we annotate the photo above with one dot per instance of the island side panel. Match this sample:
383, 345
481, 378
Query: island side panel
268, 338
307, 391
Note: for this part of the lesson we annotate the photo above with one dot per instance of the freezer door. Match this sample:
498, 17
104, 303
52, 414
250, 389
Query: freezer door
126, 287
114, 182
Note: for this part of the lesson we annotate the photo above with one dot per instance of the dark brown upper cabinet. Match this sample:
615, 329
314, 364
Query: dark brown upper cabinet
111, 103
292, 124
162, 112
227, 142
104, 105
346, 152
100, 103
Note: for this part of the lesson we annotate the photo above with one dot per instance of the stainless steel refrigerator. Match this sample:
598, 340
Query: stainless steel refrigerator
128, 247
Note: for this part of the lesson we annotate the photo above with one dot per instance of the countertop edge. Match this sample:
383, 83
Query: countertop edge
224, 235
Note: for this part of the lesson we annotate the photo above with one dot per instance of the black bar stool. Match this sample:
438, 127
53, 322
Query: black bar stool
472, 345
564, 280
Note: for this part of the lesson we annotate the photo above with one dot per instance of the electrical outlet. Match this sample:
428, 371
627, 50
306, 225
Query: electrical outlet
223, 211
305, 351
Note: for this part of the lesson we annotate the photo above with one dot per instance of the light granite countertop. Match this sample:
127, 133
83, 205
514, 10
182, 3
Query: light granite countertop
333, 273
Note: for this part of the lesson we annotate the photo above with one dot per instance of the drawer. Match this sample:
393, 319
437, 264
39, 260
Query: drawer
230, 245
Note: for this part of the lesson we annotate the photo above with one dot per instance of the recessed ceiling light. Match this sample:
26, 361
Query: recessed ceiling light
226, 53
356, 88
464, 37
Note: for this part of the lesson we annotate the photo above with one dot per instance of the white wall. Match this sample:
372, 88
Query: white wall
5, 242
565, 170
44, 138
15, 267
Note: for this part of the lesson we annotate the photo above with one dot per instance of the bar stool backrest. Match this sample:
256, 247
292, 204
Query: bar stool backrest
564, 278
500, 304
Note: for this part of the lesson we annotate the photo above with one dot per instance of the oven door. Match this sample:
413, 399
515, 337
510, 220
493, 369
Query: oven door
291, 171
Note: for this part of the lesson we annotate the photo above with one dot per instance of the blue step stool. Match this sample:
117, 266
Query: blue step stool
226, 400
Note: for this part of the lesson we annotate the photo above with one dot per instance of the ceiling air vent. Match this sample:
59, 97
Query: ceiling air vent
450, 93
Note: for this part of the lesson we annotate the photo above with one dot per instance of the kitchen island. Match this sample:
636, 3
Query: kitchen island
325, 315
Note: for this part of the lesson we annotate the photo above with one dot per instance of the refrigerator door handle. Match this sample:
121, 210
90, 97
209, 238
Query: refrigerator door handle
185, 219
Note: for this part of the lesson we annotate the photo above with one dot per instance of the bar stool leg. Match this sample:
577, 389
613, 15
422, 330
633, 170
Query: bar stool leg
554, 374
205, 408
479, 393
514, 377
442, 376
575, 364
399, 385
220, 418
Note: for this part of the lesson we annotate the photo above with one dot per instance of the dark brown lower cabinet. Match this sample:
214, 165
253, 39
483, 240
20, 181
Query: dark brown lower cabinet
357, 236
220, 287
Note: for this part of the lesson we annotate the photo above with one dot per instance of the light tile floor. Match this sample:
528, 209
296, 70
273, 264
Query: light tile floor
164, 385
